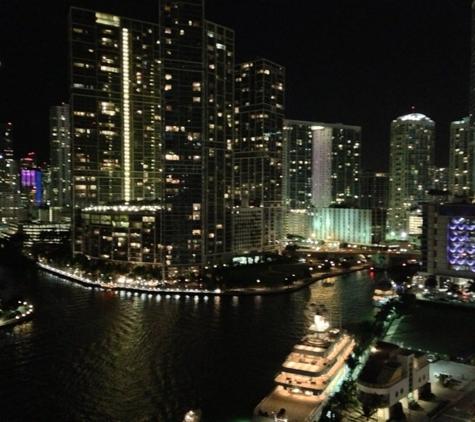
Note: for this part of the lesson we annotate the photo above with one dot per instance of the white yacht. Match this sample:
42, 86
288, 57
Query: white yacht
192, 416
312, 371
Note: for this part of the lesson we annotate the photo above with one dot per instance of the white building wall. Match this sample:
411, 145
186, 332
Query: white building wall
393, 392
298, 222
321, 166
415, 374
343, 225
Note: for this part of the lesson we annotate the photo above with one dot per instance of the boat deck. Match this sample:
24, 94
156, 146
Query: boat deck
298, 407
309, 374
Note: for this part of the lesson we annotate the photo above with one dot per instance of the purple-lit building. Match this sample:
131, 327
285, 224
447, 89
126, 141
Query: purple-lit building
448, 241
31, 181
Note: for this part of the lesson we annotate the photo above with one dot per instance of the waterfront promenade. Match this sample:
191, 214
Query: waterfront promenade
169, 290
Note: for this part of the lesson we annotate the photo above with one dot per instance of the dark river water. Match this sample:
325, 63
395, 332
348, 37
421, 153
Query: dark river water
89, 355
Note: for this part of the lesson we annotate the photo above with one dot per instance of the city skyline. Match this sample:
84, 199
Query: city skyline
377, 60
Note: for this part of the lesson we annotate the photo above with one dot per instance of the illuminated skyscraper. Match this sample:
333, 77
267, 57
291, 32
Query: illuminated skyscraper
374, 195
115, 103
116, 134
258, 149
322, 164
321, 168
60, 156
31, 182
472, 71
374, 190
461, 151
471, 117
440, 182
6, 140
345, 160
153, 122
198, 116
9, 175
410, 168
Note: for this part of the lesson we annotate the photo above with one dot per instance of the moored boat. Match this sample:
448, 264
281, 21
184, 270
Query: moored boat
21, 313
384, 290
193, 416
310, 374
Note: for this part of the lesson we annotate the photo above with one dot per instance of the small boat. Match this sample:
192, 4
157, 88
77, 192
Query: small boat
193, 416
385, 290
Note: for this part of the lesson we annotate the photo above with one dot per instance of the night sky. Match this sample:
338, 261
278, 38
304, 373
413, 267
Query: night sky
357, 62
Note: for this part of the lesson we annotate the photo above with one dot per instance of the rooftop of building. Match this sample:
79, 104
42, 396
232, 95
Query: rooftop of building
382, 365
418, 117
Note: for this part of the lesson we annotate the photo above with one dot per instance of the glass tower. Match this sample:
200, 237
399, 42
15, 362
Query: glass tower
153, 121
322, 165
374, 196
258, 148
461, 151
471, 116
198, 116
60, 156
472, 71
9, 175
410, 168
115, 102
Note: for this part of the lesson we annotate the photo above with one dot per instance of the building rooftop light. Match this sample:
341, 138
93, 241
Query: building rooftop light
414, 117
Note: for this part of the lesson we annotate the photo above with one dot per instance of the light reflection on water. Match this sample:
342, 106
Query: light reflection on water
93, 355
347, 298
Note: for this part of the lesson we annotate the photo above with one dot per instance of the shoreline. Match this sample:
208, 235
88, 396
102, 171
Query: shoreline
298, 285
